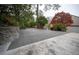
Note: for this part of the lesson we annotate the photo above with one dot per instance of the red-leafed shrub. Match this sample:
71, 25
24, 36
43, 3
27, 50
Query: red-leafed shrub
62, 17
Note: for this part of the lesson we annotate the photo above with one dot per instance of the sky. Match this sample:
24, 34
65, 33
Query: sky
69, 8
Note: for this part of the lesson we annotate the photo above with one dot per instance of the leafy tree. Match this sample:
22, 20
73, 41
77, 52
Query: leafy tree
62, 17
15, 14
60, 21
47, 7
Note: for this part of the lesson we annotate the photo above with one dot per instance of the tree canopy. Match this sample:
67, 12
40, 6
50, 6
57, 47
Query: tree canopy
15, 12
22, 14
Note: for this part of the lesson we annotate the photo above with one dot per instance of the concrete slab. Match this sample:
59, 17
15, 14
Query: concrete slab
67, 44
32, 35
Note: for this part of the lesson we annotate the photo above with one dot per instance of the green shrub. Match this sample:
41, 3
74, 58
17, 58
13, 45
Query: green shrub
24, 23
58, 27
41, 21
31, 23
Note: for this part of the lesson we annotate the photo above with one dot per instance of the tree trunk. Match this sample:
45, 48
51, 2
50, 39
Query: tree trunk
37, 10
37, 14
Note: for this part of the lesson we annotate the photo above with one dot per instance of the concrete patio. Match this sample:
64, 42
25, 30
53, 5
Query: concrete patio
67, 44
32, 35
